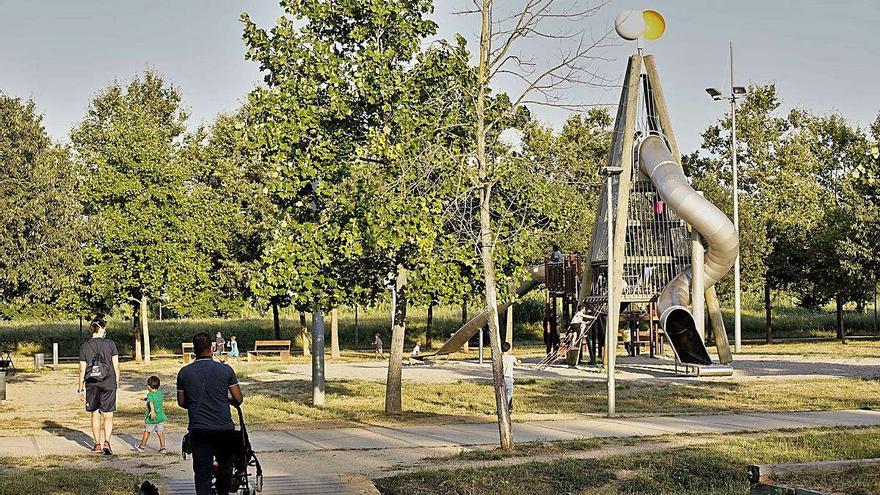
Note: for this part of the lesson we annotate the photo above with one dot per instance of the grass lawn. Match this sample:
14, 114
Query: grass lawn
61, 476
852, 349
717, 468
278, 397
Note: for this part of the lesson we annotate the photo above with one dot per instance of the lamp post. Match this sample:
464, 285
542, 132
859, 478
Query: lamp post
735, 92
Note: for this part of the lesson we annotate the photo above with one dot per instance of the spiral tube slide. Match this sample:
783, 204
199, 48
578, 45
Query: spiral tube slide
718, 232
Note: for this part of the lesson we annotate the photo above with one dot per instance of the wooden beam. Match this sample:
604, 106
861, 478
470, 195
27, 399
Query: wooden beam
617, 135
624, 182
660, 105
767, 473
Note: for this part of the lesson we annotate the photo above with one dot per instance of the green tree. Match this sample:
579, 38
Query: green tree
227, 181
333, 83
777, 177
41, 220
149, 240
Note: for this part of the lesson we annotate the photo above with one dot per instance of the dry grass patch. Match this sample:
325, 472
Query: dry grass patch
59, 476
717, 468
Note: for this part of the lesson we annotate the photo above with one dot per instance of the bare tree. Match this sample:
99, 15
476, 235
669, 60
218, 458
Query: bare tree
505, 41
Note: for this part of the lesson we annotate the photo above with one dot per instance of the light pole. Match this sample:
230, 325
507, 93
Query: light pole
735, 91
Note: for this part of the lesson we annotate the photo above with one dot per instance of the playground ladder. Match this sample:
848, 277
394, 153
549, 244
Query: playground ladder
574, 339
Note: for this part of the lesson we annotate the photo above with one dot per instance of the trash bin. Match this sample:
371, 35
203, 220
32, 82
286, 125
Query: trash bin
39, 361
2, 386
571, 357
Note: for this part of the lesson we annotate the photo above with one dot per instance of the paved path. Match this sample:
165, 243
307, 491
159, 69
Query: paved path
291, 485
745, 367
377, 437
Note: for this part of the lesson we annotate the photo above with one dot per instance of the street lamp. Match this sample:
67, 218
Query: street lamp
735, 92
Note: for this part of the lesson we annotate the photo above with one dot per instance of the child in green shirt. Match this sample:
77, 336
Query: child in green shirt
154, 417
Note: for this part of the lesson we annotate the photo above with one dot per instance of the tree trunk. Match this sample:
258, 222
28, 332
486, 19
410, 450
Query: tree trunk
393, 403
464, 314
486, 240
841, 331
429, 326
145, 326
136, 335
768, 312
304, 334
317, 359
334, 333
275, 319
504, 426
355, 326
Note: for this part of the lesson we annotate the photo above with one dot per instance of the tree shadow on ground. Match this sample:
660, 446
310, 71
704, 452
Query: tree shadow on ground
60, 430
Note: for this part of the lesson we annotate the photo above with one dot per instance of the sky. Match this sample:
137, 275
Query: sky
822, 55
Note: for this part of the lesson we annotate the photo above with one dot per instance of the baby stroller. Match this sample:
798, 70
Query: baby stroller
243, 458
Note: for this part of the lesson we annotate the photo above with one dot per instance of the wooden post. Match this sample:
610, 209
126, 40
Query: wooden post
481, 345
145, 326
334, 333
304, 334
713, 307
508, 333
698, 283
55, 354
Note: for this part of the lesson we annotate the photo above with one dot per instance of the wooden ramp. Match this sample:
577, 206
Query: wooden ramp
292, 485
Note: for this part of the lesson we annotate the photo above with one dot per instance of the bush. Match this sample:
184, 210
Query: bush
28, 348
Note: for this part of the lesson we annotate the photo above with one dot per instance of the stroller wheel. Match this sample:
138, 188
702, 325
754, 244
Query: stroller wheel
258, 481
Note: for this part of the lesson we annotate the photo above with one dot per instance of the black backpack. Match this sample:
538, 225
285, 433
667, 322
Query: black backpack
97, 370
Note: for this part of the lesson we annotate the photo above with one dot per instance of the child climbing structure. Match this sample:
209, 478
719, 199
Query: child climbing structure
670, 245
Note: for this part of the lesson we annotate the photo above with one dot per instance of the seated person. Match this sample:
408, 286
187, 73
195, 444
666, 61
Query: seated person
233, 347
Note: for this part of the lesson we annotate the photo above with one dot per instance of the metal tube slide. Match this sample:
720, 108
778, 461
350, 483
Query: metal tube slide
469, 329
719, 233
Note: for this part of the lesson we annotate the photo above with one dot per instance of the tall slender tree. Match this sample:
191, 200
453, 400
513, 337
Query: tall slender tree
137, 199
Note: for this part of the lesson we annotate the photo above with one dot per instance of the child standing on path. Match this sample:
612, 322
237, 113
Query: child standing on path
154, 417
378, 343
508, 361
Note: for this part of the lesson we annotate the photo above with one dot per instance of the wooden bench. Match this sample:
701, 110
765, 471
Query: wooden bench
188, 352
280, 347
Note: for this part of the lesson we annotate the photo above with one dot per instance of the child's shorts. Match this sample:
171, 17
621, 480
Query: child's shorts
154, 427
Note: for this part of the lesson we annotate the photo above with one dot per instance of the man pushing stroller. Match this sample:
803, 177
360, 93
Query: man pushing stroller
206, 388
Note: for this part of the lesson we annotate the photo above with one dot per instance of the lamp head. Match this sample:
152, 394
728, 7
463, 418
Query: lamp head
714, 93
739, 90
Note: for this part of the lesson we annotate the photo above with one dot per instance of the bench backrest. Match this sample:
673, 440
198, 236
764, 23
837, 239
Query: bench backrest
271, 343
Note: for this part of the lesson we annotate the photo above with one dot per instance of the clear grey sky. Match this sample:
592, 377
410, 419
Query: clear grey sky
821, 54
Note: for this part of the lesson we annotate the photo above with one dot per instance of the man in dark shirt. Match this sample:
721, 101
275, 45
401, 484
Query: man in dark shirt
99, 395
204, 388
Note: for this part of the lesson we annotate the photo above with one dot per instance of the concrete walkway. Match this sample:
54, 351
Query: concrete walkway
464, 435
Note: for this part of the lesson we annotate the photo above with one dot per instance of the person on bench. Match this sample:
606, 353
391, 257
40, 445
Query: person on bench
219, 345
